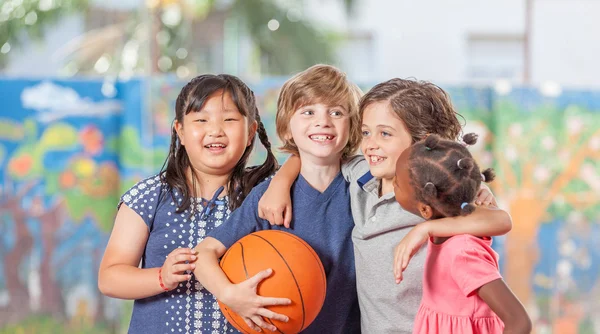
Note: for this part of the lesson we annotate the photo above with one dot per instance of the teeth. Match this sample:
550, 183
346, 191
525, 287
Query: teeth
376, 158
215, 145
321, 137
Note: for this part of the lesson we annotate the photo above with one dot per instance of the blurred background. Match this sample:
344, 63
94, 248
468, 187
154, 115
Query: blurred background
87, 91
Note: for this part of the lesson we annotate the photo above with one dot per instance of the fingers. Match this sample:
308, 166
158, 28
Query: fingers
252, 325
180, 278
287, 220
254, 280
180, 268
398, 264
184, 257
270, 301
261, 213
181, 251
272, 315
278, 217
260, 322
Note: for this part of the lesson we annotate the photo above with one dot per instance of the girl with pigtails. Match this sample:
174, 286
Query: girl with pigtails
463, 291
150, 255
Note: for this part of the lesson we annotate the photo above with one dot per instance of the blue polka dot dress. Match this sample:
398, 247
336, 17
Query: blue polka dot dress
189, 308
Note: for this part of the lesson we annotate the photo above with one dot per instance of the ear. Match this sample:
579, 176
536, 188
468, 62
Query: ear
252, 133
179, 129
425, 210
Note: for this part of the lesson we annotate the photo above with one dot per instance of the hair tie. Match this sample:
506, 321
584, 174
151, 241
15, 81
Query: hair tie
483, 177
428, 183
458, 164
462, 206
428, 148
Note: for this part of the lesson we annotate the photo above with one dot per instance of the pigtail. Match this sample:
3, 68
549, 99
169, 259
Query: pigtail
431, 142
466, 208
488, 175
465, 163
430, 191
470, 138
257, 174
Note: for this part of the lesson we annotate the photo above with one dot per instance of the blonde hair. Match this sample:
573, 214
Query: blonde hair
318, 84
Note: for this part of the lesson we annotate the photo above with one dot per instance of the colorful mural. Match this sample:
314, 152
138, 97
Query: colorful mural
68, 149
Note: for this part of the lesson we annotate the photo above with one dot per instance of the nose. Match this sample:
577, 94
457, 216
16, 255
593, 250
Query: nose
215, 129
370, 143
323, 120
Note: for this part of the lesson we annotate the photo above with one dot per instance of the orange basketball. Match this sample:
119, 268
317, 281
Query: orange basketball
298, 274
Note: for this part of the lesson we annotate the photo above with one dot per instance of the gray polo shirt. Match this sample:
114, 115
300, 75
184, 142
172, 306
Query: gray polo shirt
380, 223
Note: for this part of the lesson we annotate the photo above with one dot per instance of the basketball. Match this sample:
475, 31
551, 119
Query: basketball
298, 274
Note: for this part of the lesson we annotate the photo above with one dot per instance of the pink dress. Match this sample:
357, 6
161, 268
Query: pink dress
454, 271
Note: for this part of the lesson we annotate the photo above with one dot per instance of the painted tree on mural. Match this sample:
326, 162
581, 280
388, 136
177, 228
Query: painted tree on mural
75, 187
547, 162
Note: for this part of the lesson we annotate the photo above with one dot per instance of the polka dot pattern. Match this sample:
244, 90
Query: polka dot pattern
189, 308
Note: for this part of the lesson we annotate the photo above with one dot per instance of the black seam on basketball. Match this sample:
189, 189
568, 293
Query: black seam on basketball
271, 322
233, 319
293, 276
244, 261
311, 251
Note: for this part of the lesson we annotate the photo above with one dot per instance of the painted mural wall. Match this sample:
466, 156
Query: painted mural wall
68, 149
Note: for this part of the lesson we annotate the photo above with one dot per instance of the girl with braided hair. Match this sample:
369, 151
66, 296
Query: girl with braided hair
463, 291
163, 217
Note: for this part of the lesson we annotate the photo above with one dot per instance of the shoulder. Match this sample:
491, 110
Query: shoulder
355, 167
471, 248
148, 187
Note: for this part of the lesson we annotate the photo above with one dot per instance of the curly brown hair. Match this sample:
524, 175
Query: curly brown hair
424, 107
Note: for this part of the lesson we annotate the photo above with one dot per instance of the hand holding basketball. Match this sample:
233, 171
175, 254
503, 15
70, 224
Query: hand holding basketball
243, 300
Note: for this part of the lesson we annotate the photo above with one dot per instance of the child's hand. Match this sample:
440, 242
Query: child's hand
276, 205
243, 300
175, 267
406, 249
485, 197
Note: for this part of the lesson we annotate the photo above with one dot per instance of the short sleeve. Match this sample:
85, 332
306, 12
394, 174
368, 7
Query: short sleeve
473, 267
243, 220
143, 198
354, 168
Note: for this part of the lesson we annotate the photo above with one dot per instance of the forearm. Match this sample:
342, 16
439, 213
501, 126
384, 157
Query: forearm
288, 172
519, 326
127, 282
483, 222
209, 273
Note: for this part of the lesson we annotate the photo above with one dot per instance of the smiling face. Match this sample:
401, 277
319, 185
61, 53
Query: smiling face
385, 137
216, 136
320, 132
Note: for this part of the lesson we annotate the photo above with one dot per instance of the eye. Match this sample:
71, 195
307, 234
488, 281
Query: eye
231, 120
307, 112
336, 113
385, 134
200, 120
365, 133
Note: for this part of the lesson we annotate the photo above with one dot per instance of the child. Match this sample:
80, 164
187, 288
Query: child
317, 119
395, 114
162, 217
463, 291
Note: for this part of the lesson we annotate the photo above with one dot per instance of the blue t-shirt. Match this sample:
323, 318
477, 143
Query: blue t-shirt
189, 308
325, 222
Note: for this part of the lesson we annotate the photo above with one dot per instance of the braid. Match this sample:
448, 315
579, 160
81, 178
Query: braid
445, 176
243, 179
